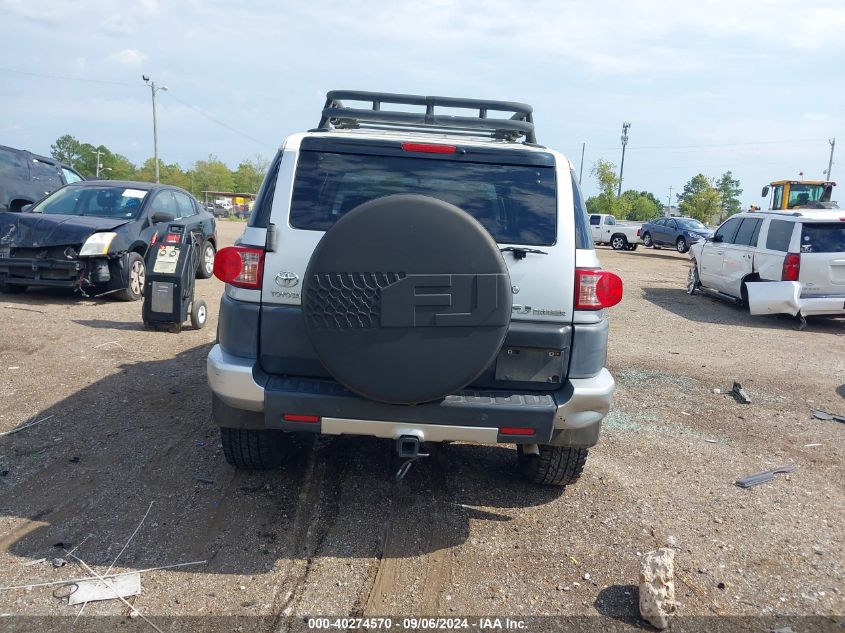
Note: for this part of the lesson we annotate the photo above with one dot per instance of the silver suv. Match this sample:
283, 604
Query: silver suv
420, 277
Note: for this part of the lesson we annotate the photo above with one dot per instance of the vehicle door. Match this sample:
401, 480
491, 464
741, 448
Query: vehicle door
668, 229
739, 256
595, 228
189, 215
608, 228
653, 228
14, 177
162, 202
713, 254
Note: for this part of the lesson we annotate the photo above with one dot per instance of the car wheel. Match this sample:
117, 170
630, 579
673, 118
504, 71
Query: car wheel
693, 282
554, 466
619, 242
12, 289
681, 245
255, 449
137, 277
206, 267
647, 241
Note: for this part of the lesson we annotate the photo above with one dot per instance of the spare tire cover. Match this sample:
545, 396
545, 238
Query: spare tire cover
406, 299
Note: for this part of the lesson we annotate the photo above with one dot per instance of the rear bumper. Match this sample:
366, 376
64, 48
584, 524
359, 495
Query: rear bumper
245, 397
818, 306
784, 297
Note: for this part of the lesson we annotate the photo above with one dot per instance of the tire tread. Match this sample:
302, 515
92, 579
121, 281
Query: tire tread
555, 466
253, 449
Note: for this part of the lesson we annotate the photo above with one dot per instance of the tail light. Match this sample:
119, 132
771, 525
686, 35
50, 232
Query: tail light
516, 430
638, 232
791, 267
239, 266
596, 289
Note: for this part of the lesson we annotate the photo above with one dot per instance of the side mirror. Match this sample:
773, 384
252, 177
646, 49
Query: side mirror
26, 208
715, 238
765, 191
162, 216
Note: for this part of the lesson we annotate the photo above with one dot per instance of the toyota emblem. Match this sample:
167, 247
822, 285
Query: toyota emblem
287, 279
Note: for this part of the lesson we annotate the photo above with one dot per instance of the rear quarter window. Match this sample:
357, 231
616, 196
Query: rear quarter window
823, 237
780, 235
517, 204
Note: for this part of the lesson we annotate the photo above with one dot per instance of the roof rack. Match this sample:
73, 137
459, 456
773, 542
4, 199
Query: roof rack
336, 114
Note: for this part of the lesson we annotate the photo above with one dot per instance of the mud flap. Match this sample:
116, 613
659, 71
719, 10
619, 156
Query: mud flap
774, 297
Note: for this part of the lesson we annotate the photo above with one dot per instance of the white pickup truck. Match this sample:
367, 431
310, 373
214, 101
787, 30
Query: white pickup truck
621, 236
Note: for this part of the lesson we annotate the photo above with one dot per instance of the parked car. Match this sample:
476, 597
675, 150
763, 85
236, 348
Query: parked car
775, 262
678, 232
415, 285
93, 236
26, 177
621, 236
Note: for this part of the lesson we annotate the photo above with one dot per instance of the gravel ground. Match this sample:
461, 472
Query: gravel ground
331, 533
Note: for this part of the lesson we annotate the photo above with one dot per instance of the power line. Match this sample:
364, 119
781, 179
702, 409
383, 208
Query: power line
66, 78
121, 83
217, 121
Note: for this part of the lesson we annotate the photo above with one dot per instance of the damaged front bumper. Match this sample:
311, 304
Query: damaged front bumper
784, 297
78, 273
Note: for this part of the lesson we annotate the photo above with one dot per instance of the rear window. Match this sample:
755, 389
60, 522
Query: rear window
823, 238
515, 203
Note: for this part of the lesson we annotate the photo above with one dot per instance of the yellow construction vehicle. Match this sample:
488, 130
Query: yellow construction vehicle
800, 194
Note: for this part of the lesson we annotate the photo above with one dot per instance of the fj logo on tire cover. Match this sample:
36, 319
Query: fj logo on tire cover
414, 301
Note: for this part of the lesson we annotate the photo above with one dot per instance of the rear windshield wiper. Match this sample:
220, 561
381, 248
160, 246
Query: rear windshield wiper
520, 253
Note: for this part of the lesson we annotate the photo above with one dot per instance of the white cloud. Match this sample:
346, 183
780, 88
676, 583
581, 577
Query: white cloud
129, 57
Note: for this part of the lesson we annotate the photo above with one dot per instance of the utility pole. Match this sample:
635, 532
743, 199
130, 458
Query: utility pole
97, 171
153, 90
625, 127
830, 162
581, 172
669, 206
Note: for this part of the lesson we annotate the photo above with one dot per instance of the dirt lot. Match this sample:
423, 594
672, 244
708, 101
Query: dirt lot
332, 533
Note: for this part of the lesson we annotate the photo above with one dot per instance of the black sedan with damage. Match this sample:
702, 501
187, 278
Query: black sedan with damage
93, 236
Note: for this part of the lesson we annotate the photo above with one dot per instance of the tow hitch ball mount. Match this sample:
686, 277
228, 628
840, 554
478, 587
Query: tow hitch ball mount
408, 447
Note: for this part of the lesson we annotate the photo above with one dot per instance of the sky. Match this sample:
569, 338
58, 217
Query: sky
755, 87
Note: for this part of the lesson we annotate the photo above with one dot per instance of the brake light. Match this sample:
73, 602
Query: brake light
638, 232
239, 266
791, 267
596, 289
429, 148
296, 417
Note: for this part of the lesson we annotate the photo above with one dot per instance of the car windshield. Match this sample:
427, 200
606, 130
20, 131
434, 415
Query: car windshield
515, 203
102, 202
690, 223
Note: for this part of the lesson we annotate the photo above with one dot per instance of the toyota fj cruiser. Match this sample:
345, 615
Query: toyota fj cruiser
417, 276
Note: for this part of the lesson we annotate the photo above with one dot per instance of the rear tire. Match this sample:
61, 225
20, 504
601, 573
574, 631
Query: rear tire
647, 241
254, 449
205, 270
12, 289
554, 466
619, 242
681, 245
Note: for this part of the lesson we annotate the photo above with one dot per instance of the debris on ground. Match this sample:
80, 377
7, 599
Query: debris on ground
826, 415
657, 587
59, 562
108, 589
739, 393
766, 475
26, 426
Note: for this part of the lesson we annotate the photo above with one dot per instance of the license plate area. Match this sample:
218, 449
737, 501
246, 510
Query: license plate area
530, 364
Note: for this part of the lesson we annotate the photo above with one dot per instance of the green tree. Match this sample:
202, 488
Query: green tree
605, 173
66, 149
730, 191
247, 177
168, 174
658, 203
637, 205
603, 203
700, 199
212, 175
